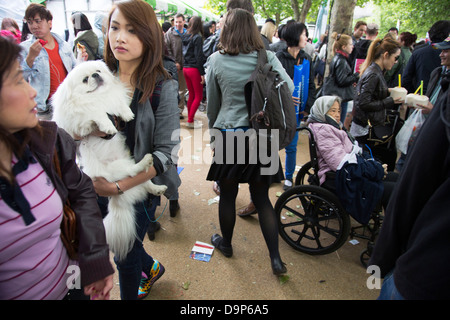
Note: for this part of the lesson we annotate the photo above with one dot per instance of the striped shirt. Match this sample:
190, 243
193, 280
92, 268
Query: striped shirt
33, 259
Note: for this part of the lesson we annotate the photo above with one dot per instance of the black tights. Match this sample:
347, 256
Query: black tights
259, 192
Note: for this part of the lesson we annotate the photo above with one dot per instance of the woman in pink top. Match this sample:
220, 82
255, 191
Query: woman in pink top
33, 260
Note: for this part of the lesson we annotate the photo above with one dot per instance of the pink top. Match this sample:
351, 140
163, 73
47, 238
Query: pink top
332, 146
33, 259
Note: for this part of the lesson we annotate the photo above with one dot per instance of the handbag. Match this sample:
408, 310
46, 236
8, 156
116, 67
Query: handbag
382, 133
69, 221
301, 83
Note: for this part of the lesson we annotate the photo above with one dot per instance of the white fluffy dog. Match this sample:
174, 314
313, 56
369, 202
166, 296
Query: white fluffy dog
81, 105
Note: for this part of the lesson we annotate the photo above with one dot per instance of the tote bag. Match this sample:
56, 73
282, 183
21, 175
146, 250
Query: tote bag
301, 83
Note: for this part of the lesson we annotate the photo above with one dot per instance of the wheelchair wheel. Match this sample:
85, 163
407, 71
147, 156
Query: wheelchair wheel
304, 174
312, 220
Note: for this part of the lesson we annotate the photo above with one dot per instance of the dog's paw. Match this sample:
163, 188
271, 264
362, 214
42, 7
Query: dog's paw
107, 127
158, 190
148, 160
143, 165
83, 130
127, 115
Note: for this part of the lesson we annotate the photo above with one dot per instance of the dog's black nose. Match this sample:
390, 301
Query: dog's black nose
95, 75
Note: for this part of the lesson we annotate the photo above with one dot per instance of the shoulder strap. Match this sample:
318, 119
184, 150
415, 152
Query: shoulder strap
262, 58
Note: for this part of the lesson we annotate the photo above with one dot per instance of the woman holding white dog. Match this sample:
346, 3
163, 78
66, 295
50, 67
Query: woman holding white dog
34, 263
134, 53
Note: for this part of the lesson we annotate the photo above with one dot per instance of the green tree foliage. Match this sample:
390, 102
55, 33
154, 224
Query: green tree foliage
416, 16
275, 9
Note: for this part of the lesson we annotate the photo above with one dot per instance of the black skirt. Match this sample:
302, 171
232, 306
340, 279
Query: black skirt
246, 156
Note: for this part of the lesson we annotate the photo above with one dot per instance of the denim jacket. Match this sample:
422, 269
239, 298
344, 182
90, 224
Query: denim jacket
39, 74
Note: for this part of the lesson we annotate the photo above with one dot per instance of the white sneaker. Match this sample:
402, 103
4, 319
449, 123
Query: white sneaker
194, 125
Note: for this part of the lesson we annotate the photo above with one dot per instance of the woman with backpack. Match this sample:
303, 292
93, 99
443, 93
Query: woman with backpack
193, 69
228, 71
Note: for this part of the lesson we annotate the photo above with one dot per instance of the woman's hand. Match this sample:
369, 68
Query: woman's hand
104, 188
296, 101
426, 109
385, 168
94, 133
82, 55
100, 290
203, 80
398, 100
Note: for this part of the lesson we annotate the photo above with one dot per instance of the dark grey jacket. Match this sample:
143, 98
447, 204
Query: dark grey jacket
159, 133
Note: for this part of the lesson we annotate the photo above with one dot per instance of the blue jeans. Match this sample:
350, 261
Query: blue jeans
291, 157
389, 290
138, 260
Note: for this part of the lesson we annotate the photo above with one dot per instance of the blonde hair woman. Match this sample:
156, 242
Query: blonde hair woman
268, 30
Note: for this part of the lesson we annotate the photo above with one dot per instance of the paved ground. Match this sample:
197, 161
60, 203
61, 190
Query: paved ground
247, 275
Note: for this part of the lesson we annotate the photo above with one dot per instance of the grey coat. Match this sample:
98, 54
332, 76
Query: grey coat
225, 80
159, 133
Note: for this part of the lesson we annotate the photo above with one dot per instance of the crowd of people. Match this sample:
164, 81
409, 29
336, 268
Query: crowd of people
190, 64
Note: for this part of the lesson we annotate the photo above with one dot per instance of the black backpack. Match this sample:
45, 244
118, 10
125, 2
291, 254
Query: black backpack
269, 102
209, 45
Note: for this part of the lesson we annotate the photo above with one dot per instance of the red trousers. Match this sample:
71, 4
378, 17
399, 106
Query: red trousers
195, 87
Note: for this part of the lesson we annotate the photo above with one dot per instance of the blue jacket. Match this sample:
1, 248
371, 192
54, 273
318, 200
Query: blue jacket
419, 67
359, 187
39, 74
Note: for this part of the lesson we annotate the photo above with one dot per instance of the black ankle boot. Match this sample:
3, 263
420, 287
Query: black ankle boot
152, 228
278, 266
174, 206
216, 241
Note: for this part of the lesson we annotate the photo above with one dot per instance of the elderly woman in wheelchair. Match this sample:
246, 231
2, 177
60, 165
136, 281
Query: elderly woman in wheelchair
339, 181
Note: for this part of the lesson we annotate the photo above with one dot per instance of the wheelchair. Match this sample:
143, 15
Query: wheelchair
311, 218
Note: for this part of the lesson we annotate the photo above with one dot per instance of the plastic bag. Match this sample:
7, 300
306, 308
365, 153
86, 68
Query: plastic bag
410, 127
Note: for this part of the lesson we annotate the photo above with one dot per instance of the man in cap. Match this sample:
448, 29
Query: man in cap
435, 90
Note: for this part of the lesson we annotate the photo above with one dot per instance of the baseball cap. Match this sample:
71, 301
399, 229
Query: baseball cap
442, 45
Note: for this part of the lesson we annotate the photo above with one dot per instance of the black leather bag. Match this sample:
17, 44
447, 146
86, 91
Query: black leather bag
383, 133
